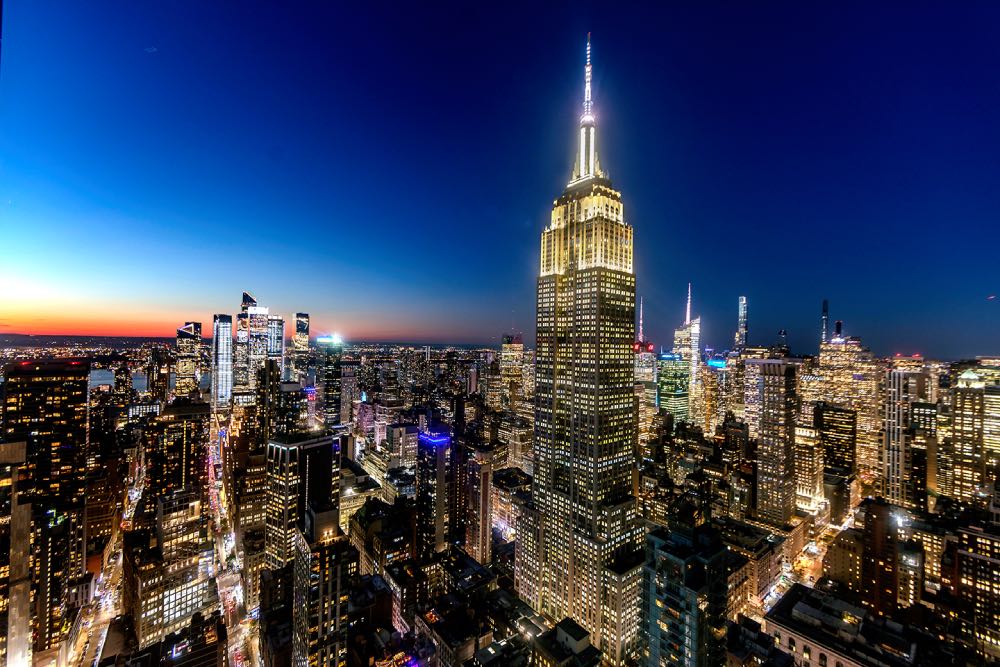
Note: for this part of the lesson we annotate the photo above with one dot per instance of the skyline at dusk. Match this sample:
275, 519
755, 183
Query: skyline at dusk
390, 174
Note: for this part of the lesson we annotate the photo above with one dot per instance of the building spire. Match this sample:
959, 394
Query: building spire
641, 337
587, 101
587, 164
687, 313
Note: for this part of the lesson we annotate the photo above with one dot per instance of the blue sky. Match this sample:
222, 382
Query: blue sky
390, 171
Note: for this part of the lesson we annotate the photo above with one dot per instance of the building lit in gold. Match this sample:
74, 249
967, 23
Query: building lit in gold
585, 426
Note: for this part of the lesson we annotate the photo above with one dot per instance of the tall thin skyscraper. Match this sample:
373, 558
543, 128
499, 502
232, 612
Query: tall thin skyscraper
241, 353
300, 346
328, 376
276, 339
740, 340
222, 360
258, 340
776, 440
903, 387
826, 320
585, 404
687, 343
188, 358
965, 450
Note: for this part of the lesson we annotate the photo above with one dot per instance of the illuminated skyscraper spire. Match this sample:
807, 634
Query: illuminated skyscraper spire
587, 101
641, 336
687, 313
587, 164
584, 520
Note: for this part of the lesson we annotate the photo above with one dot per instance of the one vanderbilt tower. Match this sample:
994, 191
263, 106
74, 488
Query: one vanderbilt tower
581, 557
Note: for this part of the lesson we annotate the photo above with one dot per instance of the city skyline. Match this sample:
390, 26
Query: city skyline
723, 157
284, 492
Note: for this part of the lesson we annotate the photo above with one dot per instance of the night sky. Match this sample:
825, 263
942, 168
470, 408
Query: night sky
391, 171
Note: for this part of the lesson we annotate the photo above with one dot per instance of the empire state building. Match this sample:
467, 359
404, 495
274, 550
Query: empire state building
578, 552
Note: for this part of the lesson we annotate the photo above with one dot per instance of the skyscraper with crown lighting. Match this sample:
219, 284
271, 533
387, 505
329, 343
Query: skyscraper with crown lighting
585, 408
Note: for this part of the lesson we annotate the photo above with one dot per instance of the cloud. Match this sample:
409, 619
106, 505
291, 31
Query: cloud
151, 49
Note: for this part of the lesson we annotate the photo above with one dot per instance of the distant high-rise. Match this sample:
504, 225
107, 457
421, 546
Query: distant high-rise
300, 347
809, 468
838, 432
258, 323
176, 457
742, 327
966, 449
585, 403
673, 378
435, 490
251, 343
879, 562
903, 387
479, 511
328, 378
188, 359
276, 339
849, 377
687, 343
241, 353
222, 360
776, 388
826, 319
511, 367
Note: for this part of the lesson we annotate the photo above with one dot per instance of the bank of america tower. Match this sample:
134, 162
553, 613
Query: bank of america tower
581, 556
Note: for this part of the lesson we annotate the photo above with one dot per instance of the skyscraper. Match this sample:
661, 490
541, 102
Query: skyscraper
849, 377
687, 343
325, 563
776, 440
328, 376
188, 359
511, 367
300, 347
966, 450
479, 510
742, 328
15, 548
838, 432
243, 369
435, 491
585, 400
301, 473
276, 339
241, 353
222, 360
672, 381
684, 596
903, 387
46, 405
826, 320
